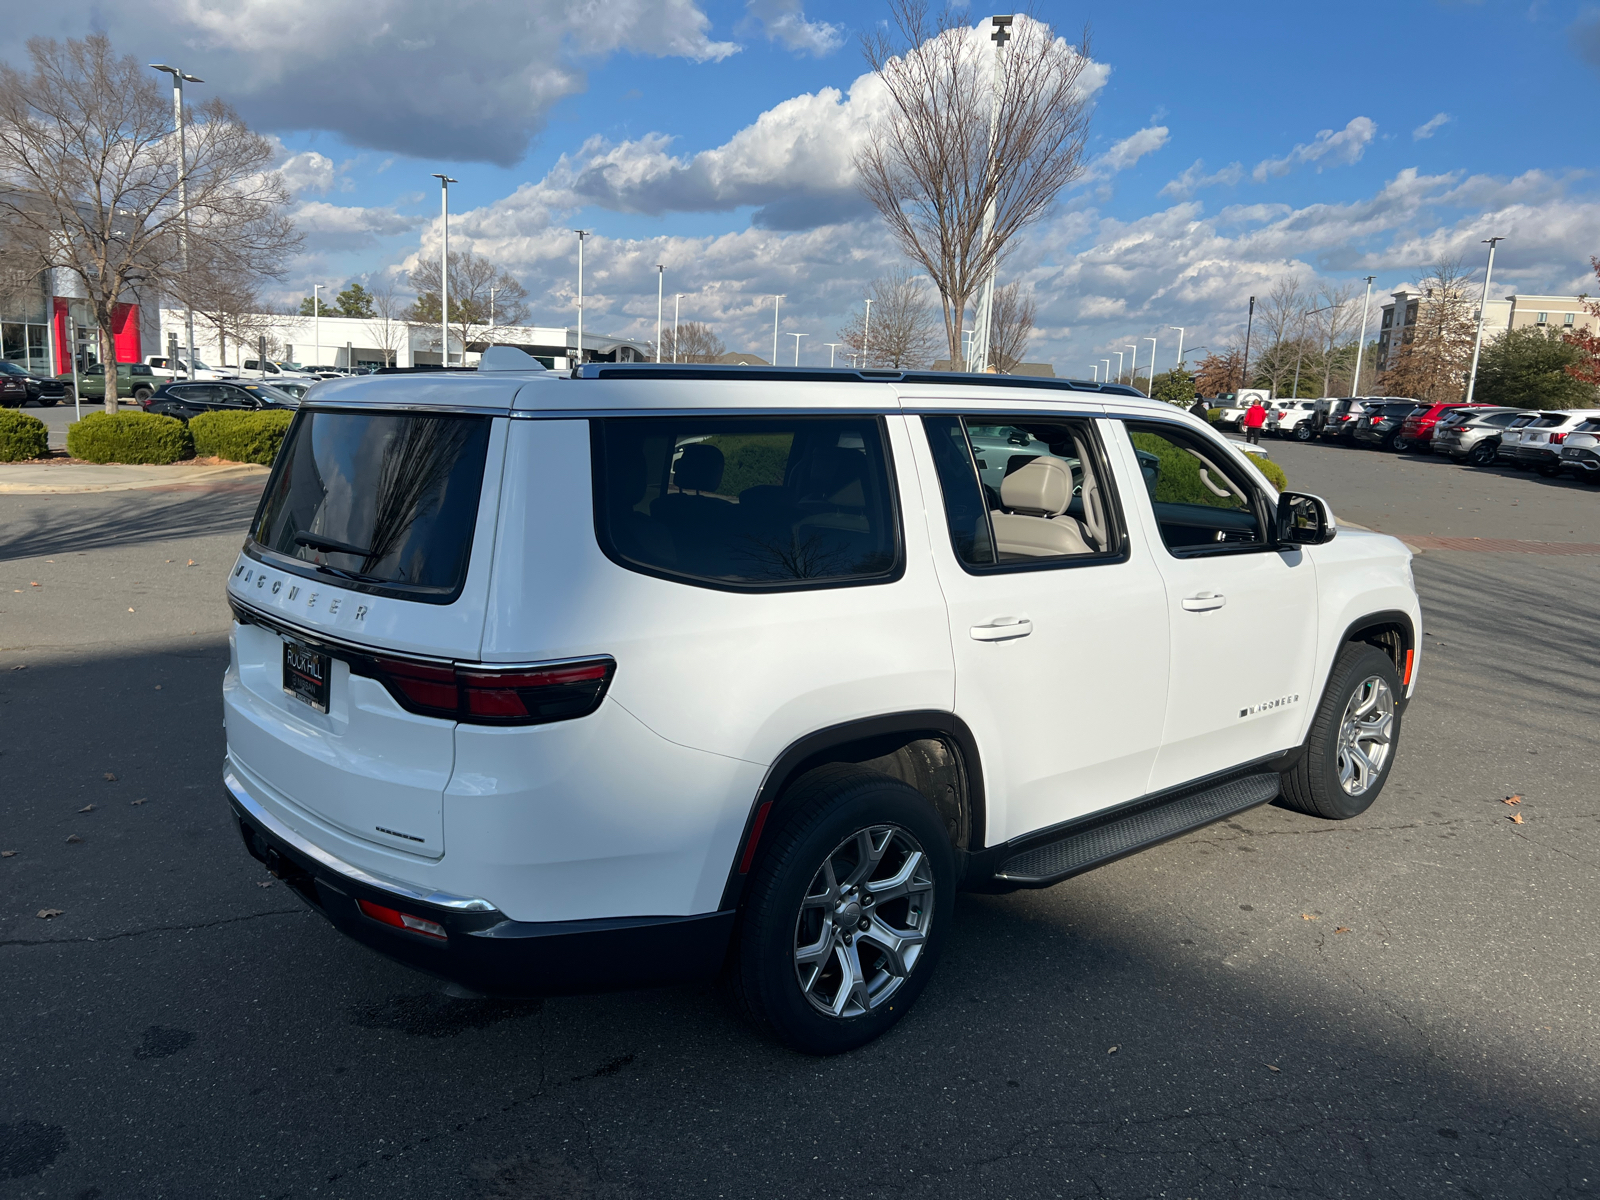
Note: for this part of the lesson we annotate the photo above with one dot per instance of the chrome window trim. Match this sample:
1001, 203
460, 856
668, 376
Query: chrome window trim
348, 870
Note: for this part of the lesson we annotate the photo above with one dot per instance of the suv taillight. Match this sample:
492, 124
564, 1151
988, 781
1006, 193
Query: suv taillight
1557, 438
484, 695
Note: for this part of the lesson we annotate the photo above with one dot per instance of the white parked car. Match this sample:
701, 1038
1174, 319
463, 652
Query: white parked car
1580, 452
1294, 418
167, 369
547, 685
1539, 447
276, 372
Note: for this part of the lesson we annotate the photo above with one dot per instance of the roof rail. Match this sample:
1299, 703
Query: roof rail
842, 375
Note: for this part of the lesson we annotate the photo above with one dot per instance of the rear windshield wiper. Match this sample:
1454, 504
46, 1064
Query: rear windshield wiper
343, 574
318, 542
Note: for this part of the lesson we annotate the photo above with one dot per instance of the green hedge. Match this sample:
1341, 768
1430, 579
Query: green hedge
1213, 415
249, 437
21, 436
129, 437
1272, 471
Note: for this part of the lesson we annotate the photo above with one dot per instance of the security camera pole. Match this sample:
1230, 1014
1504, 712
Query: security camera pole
582, 233
178, 78
1477, 342
1244, 370
444, 268
661, 295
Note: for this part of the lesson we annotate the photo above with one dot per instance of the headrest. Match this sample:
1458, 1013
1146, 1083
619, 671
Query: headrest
699, 468
832, 474
1042, 488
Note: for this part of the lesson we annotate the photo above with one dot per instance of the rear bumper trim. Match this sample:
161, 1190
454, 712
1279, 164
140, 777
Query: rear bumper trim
465, 904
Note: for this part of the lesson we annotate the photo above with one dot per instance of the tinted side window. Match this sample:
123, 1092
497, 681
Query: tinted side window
1202, 502
1023, 492
747, 502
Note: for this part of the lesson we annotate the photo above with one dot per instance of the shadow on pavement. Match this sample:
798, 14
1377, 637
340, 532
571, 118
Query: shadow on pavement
98, 521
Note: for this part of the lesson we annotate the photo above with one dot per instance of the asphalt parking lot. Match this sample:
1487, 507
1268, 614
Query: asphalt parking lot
1401, 1005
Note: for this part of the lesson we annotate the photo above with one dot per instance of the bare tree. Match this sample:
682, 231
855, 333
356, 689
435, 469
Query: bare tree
87, 147
472, 280
931, 166
695, 343
1435, 353
1014, 311
1281, 315
902, 332
1333, 326
388, 327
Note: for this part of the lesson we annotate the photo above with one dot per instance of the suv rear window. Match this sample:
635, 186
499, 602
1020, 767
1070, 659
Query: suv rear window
385, 502
750, 503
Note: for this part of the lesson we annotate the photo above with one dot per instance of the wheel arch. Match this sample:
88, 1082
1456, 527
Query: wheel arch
1391, 631
932, 751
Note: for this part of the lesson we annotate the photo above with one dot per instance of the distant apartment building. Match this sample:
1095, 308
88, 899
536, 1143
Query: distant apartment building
1399, 318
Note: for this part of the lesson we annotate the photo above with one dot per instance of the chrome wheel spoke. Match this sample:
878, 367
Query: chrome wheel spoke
903, 882
853, 988
899, 947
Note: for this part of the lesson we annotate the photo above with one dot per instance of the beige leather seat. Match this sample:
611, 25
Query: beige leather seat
1033, 525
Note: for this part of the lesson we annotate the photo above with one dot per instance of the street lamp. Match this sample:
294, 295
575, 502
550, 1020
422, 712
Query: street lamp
316, 321
797, 337
492, 292
866, 327
1107, 363
775, 300
676, 297
1483, 307
1119, 355
833, 348
1301, 340
661, 295
1152, 342
1177, 364
444, 268
1096, 370
1133, 367
582, 233
1244, 371
178, 79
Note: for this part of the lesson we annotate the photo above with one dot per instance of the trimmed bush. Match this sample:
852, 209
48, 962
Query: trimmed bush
1212, 414
21, 436
247, 437
129, 437
1272, 471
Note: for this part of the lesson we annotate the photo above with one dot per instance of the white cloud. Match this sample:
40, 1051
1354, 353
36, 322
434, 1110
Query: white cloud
332, 227
308, 172
1431, 126
1194, 178
1127, 152
784, 21
1327, 149
454, 82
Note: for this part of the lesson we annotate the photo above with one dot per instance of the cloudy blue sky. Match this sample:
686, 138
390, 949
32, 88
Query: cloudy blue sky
1231, 143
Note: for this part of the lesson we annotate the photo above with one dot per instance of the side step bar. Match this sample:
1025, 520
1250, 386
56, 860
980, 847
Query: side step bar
1115, 835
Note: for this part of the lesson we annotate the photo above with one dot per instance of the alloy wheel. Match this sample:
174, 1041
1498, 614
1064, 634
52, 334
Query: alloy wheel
864, 921
1365, 736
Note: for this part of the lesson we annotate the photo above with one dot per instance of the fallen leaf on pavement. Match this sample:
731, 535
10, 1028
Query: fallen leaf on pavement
87, 808
1270, 1067
47, 913
141, 800
33, 584
1516, 818
72, 837
191, 563
8, 853
158, 687
264, 883
1512, 800
20, 667
1113, 1049
110, 778
1342, 929
1307, 917
130, 610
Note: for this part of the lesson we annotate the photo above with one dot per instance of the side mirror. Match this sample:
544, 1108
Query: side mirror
1304, 520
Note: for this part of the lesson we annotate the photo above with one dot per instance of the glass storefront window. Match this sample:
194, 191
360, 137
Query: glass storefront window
24, 314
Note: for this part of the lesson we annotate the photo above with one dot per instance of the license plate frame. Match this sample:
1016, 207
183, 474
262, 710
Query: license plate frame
307, 674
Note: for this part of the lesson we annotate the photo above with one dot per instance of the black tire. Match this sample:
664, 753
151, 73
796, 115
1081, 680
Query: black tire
1396, 443
1484, 454
141, 394
827, 808
1549, 470
1312, 786
1303, 432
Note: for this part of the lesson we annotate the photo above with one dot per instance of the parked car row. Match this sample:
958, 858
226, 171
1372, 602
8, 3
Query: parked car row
1553, 442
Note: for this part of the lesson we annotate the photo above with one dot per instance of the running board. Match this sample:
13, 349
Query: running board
1099, 841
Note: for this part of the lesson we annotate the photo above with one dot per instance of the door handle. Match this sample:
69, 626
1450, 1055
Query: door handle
1204, 601
1002, 630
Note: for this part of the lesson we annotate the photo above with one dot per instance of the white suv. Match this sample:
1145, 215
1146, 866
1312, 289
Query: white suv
550, 684
1294, 418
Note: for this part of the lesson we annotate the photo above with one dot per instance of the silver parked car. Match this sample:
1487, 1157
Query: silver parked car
1473, 434
1580, 452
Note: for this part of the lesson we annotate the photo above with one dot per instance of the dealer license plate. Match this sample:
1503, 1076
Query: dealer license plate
306, 674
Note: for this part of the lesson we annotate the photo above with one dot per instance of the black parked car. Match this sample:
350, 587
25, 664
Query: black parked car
41, 389
185, 400
1380, 425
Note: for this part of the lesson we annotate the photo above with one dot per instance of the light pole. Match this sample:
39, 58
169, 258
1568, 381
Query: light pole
444, 267
1152, 342
661, 295
582, 233
775, 300
1483, 307
1107, 363
797, 337
978, 352
833, 348
1119, 355
1244, 370
1096, 370
1361, 334
676, 297
492, 292
866, 328
316, 321
178, 79
1301, 341
1177, 364
1133, 365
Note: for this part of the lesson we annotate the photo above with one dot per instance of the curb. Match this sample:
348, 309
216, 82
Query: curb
33, 479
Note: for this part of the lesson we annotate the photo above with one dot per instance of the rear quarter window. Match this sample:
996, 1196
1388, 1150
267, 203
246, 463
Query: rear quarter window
747, 503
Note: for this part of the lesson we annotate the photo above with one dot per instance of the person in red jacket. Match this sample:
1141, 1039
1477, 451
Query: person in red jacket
1254, 418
